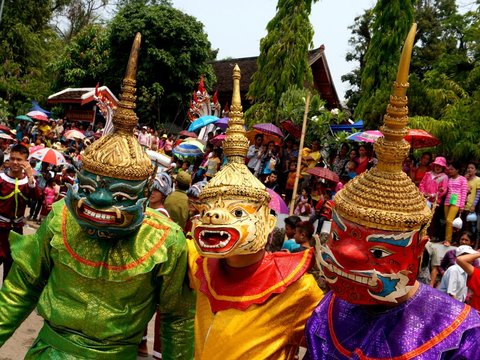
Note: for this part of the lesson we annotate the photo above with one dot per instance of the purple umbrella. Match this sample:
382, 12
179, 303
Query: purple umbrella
277, 203
222, 123
268, 128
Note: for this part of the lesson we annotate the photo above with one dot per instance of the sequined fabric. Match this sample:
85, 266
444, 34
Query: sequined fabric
429, 326
100, 300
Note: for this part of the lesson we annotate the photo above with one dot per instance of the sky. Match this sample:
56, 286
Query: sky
236, 27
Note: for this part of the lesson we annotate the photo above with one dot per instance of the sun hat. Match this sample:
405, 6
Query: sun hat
165, 136
440, 160
464, 249
184, 178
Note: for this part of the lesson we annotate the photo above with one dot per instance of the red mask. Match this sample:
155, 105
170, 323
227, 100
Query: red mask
367, 266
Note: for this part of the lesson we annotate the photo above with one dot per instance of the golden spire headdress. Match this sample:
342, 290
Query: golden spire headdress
385, 197
119, 155
234, 180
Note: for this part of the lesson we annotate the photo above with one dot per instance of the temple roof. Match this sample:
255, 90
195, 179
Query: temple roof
316, 58
80, 95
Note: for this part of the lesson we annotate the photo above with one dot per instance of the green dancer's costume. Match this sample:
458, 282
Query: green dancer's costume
100, 263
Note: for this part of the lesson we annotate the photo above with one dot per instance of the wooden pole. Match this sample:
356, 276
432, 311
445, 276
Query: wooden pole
299, 160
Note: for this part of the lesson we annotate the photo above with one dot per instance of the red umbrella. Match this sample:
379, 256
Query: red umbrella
5, 129
268, 128
188, 134
266, 137
324, 173
421, 139
291, 128
277, 203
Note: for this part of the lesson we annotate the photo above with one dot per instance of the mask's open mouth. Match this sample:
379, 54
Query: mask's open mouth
112, 217
216, 239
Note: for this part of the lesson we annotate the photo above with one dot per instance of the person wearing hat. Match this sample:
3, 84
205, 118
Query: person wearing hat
177, 202
101, 262
454, 281
376, 308
434, 187
251, 304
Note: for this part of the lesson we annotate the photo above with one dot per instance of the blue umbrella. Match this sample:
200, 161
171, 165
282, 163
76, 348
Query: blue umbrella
187, 150
201, 122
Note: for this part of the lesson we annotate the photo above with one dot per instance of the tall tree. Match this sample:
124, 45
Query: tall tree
283, 59
175, 52
27, 44
392, 21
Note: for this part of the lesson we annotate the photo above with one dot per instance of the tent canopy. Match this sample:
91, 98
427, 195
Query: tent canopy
36, 107
347, 127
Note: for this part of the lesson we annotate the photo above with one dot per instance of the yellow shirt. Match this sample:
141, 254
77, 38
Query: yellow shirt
473, 187
271, 330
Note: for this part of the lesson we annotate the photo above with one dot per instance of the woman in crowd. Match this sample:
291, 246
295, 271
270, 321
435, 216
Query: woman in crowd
419, 172
340, 160
455, 200
362, 160
473, 193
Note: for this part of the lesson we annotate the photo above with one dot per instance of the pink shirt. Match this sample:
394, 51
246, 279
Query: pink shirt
434, 184
458, 186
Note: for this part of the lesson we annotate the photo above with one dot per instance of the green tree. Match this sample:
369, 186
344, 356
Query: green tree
175, 52
283, 59
27, 44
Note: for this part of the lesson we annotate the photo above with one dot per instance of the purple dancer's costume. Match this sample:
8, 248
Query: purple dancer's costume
377, 310
340, 330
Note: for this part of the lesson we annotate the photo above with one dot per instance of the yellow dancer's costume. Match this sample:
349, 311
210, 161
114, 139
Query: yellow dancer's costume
100, 263
250, 304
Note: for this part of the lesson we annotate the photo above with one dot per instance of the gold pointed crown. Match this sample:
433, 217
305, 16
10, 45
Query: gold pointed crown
119, 155
234, 180
385, 197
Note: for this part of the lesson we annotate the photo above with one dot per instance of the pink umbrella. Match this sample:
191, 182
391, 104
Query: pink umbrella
276, 203
268, 128
32, 149
38, 115
365, 136
50, 156
218, 140
74, 134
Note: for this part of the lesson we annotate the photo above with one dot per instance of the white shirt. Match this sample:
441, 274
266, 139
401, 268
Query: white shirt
454, 282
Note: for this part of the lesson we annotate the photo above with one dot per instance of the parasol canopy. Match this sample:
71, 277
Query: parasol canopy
266, 137
365, 136
186, 149
416, 137
24, 118
323, 173
37, 115
5, 136
222, 123
74, 134
218, 140
50, 156
291, 128
270, 129
277, 203
202, 121
187, 134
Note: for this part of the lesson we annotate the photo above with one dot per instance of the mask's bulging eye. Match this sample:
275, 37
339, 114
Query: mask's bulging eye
87, 189
380, 253
238, 213
119, 197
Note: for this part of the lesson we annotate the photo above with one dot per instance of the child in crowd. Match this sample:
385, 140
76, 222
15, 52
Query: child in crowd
290, 181
50, 195
304, 203
303, 236
290, 226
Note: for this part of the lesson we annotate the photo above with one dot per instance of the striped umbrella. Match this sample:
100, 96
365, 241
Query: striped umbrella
50, 156
38, 115
74, 134
187, 150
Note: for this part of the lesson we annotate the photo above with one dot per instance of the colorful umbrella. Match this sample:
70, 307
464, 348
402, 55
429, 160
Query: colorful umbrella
5, 129
276, 203
218, 140
74, 134
187, 150
50, 156
291, 128
268, 128
266, 137
24, 118
38, 115
5, 136
202, 121
365, 136
32, 149
222, 123
187, 134
323, 173
421, 139
192, 141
